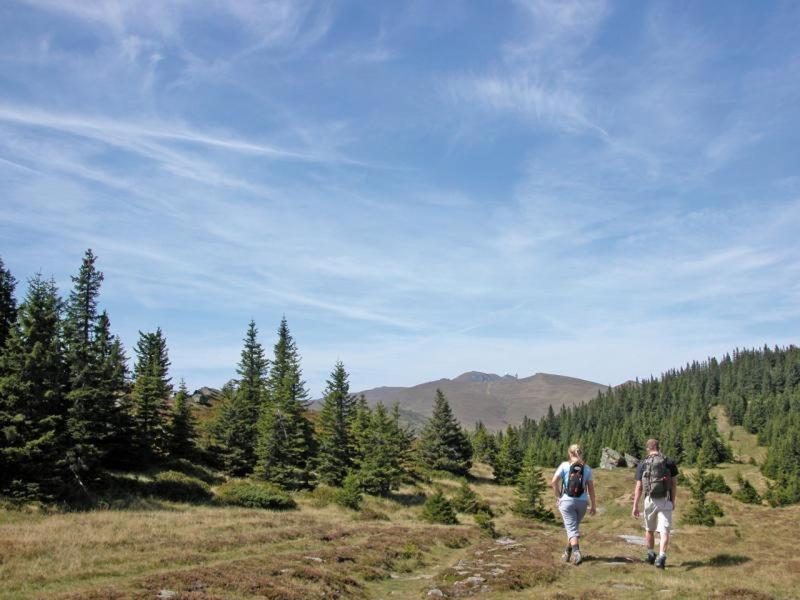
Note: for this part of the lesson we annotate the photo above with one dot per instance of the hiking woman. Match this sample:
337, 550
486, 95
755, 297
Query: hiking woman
571, 482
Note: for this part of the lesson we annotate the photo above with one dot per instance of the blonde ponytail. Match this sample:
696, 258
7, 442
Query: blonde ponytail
575, 450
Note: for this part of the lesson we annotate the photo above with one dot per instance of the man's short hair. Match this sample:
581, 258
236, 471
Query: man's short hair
652, 444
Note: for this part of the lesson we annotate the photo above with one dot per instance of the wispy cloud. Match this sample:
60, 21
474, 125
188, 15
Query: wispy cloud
539, 186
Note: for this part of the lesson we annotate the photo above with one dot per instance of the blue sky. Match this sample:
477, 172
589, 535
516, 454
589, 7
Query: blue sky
596, 189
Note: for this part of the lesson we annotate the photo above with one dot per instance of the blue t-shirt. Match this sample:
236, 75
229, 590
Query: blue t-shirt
563, 472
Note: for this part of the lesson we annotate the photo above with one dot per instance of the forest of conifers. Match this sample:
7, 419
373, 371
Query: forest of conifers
71, 412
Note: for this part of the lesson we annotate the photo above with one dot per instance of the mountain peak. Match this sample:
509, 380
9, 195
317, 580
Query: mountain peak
477, 376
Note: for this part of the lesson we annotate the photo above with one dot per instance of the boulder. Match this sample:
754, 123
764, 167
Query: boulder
610, 459
631, 461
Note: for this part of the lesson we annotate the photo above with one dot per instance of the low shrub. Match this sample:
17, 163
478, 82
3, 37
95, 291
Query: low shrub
254, 494
438, 509
484, 521
178, 487
322, 495
746, 492
716, 483
467, 501
349, 495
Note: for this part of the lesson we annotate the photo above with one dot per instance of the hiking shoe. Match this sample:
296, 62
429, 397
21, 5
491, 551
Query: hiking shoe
567, 555
576, 557
650, 558
661, 562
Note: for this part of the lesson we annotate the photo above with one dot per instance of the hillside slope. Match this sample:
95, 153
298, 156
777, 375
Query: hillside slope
496, 401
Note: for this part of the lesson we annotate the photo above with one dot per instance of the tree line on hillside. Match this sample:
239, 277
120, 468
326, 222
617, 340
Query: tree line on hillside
71, 411
760, 389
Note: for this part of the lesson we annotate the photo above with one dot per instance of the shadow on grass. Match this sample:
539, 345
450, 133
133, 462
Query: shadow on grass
611, 559
409, 499
481, 479
718, 560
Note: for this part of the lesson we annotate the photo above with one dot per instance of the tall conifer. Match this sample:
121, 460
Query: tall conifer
508, 462
151, 388
442, 444
335, 446
32, 397
8, 304
91, 402
237, 428
182, 431
285, 442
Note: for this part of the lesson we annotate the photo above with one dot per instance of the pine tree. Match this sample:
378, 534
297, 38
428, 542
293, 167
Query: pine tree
402, 437
359, 430
466, 500
151, 388
237, 428
182, 431
92, 404
483, 444
32, 398
81, 322
115, 386
8, 304
380, 468
285, 444
746, 492
509, 458
442, 444
531, 487
438, 509
335, 419
701, 511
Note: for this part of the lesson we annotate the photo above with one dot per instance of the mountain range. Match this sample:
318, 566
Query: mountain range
495, 400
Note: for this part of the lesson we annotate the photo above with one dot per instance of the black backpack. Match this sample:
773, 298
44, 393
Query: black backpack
656, 477
574, 487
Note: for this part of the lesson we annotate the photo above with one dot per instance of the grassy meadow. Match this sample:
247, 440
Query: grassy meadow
385, 551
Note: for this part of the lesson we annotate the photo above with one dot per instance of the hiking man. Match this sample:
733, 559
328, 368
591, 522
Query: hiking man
656, 478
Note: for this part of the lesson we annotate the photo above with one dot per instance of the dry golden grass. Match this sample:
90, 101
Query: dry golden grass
322, 551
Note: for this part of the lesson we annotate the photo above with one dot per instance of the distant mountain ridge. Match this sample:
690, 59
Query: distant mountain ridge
497, 401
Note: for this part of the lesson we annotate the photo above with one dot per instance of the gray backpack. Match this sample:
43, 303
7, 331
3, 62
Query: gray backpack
656, 477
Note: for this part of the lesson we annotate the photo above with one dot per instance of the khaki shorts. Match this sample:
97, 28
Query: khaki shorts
657, 514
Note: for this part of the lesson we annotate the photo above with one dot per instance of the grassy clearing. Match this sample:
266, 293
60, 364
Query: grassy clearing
323, 551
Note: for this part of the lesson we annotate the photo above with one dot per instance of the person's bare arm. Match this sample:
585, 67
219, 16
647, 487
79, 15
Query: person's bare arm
637, 493
556, 485
593, 507
673, 492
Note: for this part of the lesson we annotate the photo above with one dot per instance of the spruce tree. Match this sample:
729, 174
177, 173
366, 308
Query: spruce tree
8, 304
442, 444
380, 469
81, 322
746, 492
483, 444
509, 458
92, 405
114, 384
237, 428
531, 487
32, 398
151, 388
438, 509
285, 444
335, 446
182, 428
359, 430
